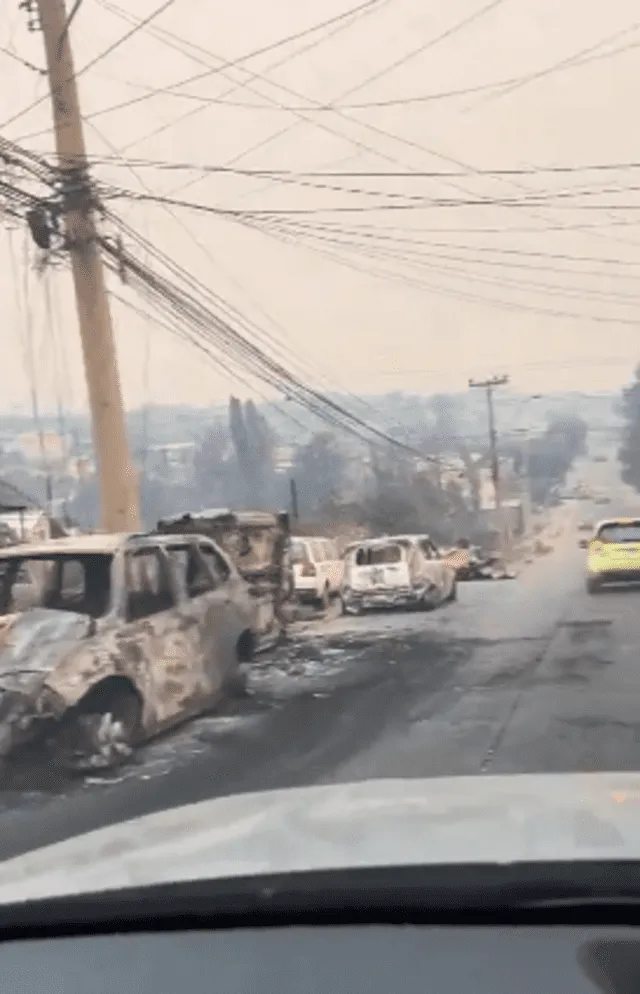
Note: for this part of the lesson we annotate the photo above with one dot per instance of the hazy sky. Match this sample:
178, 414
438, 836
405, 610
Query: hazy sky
416, 296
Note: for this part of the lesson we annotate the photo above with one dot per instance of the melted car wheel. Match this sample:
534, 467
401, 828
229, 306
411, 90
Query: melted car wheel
101, 731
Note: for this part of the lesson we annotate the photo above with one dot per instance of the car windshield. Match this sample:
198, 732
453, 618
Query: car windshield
377, 555
620, 532
319, 433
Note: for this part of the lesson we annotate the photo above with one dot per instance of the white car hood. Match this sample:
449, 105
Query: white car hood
368, 824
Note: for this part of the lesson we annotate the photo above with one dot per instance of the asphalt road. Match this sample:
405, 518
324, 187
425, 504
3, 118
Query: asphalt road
525, 675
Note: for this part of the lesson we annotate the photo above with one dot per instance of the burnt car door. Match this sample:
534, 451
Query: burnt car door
160, 637
228, 612
211, 599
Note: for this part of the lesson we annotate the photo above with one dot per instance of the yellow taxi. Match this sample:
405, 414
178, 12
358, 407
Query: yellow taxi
613, 554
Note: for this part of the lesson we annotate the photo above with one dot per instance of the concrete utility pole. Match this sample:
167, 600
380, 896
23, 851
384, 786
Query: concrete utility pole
489, 386
118, 479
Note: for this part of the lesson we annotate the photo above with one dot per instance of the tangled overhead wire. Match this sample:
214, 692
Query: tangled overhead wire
220, 336
203, 318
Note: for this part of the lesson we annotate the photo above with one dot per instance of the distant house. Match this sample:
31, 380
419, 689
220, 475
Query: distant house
284, 458
22, 518
47, 445
173, 459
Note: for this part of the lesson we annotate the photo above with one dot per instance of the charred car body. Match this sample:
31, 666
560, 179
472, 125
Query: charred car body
396, 571
106, 640
259, 545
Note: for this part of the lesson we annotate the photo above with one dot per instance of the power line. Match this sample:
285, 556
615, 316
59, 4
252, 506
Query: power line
545, 200
263, 50
177, 329
210, 326
417, 257
251, 328
405, 141
562, 64
211, 260
305, 118
176, 43
384, 235
439, 289
293, 175
23, 62
531, 286
408, 100
425, 46
361, 144
90, 65
417, 98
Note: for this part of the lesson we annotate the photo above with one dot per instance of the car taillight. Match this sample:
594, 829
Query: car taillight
308, 569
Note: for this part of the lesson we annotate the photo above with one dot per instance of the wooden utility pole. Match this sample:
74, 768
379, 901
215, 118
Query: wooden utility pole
489, 386
118, 479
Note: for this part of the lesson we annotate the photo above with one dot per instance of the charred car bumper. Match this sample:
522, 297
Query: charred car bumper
383, 598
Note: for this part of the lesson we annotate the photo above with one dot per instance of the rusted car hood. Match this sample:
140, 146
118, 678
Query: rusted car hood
375, 823
33, 643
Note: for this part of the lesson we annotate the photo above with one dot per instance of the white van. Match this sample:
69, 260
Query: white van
317, 569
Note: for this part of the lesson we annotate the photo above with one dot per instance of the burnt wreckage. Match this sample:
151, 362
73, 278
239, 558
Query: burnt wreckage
259, 545
106, 640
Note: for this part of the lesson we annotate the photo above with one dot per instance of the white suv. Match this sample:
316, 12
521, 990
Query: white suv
317, 569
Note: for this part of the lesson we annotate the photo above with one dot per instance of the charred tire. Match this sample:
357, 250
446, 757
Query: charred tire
453, 596
101, 731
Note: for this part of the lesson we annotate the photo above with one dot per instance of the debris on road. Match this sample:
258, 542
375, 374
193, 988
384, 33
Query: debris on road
470, 563
309, 660
541, 548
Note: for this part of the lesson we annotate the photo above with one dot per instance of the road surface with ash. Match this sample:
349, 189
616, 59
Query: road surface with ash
524, 675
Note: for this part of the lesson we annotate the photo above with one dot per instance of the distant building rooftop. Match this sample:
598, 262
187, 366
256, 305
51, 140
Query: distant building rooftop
12, 499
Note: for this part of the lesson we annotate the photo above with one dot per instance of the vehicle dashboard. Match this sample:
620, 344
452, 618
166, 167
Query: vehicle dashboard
377, 959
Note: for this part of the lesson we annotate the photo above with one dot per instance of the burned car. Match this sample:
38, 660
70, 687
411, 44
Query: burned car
106, 640
396, 571
259, 545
